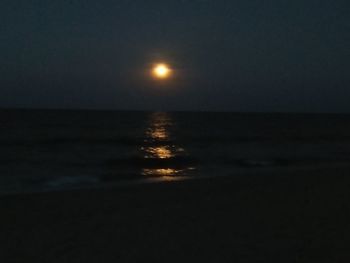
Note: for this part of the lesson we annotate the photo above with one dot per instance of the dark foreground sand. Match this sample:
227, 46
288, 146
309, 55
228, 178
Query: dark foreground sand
266, 217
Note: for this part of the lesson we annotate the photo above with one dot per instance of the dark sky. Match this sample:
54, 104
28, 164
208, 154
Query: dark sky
244, 55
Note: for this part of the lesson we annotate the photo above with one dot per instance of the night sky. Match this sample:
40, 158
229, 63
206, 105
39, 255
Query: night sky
244, 55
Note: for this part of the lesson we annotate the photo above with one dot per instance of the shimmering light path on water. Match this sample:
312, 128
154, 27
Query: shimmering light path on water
159, 145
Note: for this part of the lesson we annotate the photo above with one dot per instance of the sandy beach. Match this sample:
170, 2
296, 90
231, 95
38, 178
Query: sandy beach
260, 217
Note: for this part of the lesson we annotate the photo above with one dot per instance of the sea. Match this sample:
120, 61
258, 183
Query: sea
58, 150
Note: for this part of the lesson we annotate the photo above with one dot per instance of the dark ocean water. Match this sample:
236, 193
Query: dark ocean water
47, 150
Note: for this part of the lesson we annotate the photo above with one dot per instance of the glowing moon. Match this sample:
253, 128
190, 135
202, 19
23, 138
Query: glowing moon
161, 71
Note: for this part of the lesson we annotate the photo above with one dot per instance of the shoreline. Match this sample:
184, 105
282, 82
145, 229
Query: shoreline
251, 171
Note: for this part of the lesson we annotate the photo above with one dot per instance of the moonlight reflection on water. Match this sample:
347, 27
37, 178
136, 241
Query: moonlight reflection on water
159, 147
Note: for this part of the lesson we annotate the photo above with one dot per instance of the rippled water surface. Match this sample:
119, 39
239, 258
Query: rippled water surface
50, 150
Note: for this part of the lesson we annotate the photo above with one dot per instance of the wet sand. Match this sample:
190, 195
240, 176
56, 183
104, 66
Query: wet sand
271, 216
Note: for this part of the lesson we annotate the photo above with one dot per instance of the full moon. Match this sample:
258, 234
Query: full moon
161, 71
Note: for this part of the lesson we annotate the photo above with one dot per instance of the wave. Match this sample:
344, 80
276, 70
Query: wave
141, 162
141, 141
